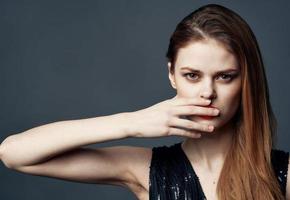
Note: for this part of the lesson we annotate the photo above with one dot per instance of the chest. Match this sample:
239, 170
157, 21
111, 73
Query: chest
206, 180
208, 187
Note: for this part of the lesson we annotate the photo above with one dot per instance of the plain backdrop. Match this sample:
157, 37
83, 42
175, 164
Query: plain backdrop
63, 60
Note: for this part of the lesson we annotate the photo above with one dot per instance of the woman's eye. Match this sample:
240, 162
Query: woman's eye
190, 75
193, 76
226, 76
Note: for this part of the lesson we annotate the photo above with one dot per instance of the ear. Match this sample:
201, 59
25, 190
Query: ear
171, 76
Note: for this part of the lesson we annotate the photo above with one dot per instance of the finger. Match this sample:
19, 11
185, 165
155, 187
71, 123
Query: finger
185, 133
195, 110
180, 101
190, 125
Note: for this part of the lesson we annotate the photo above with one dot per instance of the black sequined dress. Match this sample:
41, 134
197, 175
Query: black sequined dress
173, 178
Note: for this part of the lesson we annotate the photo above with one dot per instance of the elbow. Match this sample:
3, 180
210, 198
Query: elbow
4, 156
1, 153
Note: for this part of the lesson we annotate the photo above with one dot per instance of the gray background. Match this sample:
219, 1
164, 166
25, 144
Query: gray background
65, 60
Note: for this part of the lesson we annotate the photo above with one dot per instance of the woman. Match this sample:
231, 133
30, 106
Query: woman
222, 108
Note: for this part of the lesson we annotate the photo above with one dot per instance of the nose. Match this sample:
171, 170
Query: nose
207, 91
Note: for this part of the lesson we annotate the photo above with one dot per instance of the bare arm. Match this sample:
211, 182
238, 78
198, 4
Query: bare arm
44, 142
55, 149
41, 143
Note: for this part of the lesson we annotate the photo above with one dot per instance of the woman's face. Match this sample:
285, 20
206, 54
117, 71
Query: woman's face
206, 70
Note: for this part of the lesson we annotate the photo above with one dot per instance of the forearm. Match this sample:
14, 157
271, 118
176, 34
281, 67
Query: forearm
40, 143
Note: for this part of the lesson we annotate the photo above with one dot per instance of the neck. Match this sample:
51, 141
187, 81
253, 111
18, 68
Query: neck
210, 149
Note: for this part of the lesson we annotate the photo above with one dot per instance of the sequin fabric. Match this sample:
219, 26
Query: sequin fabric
280, 160
173, 178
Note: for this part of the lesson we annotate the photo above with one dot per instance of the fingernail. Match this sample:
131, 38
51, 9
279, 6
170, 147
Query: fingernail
216, 111
210, 127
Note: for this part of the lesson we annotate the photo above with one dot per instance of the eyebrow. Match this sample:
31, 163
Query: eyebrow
221, 71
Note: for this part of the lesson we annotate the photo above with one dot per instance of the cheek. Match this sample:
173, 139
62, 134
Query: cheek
231, 99
231, 94
190, 92
186, 89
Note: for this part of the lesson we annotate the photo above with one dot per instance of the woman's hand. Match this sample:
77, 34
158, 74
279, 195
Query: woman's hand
167, 118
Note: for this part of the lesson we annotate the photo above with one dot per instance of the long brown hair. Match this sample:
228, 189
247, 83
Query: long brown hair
247, 172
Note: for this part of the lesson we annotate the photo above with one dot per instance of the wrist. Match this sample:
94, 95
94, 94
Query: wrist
128, 119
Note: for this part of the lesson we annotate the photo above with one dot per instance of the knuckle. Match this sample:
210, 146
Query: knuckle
209, 112
201, 110
212, 111
193, 110
190, 125
183, 132
206, 111
166, 130
187, 134
168, 121
205, 128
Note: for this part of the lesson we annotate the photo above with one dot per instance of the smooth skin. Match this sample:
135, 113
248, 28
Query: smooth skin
57, 149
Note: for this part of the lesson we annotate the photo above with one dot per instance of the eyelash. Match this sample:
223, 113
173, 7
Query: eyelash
228, 75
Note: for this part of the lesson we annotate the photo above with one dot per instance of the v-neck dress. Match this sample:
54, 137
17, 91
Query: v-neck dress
172, 176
